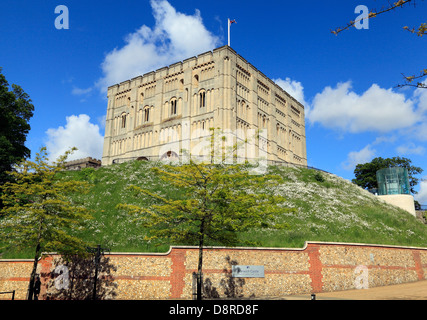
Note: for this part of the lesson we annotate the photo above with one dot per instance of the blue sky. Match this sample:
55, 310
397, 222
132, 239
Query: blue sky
347, 82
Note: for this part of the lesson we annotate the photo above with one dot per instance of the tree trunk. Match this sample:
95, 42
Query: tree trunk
200, 264
33, 273
199, 275
36, 261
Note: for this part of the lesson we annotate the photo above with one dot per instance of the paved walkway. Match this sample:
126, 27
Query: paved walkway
409, 291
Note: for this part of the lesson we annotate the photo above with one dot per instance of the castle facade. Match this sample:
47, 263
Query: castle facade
161, 114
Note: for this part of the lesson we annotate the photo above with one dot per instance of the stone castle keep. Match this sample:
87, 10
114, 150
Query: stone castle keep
161, 113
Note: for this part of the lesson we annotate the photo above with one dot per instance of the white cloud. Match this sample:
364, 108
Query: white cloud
421, 95
79, 132
420, 131
359, 157
377, 109
410, 148
421, 197
383, 139
79, 92
101, 121
294, 88
175, 37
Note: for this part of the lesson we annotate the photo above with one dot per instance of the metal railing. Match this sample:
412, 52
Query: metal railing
7, 292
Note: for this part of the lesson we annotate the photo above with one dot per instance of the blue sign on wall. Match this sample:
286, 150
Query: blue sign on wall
247, 271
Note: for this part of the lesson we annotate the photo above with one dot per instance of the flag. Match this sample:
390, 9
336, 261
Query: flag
230, 22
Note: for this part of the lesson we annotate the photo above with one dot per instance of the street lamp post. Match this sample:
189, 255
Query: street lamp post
98, 251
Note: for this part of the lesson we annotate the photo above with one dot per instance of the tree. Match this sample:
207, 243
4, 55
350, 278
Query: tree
366, 173
78, 270
218, 201
419, 31
15, 112
37, 212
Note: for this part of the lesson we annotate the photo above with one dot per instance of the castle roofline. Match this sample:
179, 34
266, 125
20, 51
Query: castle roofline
200, 56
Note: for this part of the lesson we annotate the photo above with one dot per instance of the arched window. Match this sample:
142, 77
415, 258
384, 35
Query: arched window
202, 99
146, 114
173, 107
124, 120
170, 155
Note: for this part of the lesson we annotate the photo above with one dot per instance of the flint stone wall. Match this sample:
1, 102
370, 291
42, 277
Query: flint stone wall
317, 267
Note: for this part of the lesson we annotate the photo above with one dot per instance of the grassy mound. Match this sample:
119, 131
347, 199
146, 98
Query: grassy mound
328, 208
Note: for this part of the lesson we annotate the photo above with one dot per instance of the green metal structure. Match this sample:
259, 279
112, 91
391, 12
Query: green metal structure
393, 181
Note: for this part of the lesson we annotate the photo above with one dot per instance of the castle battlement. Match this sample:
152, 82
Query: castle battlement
78, 164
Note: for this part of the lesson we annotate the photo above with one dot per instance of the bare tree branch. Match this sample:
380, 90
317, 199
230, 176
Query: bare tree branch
420, 31
372, 14
409, 81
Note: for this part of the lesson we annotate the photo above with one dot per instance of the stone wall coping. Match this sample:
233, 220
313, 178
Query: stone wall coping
171, 248
16, 260
306, 244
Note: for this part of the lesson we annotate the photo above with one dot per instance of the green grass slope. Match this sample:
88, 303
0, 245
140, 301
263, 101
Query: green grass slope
328, 208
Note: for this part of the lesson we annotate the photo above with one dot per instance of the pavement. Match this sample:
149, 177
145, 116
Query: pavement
408, 291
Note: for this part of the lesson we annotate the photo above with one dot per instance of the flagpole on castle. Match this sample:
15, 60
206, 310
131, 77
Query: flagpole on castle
229, 25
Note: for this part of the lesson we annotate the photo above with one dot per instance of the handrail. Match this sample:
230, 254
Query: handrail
12, 292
